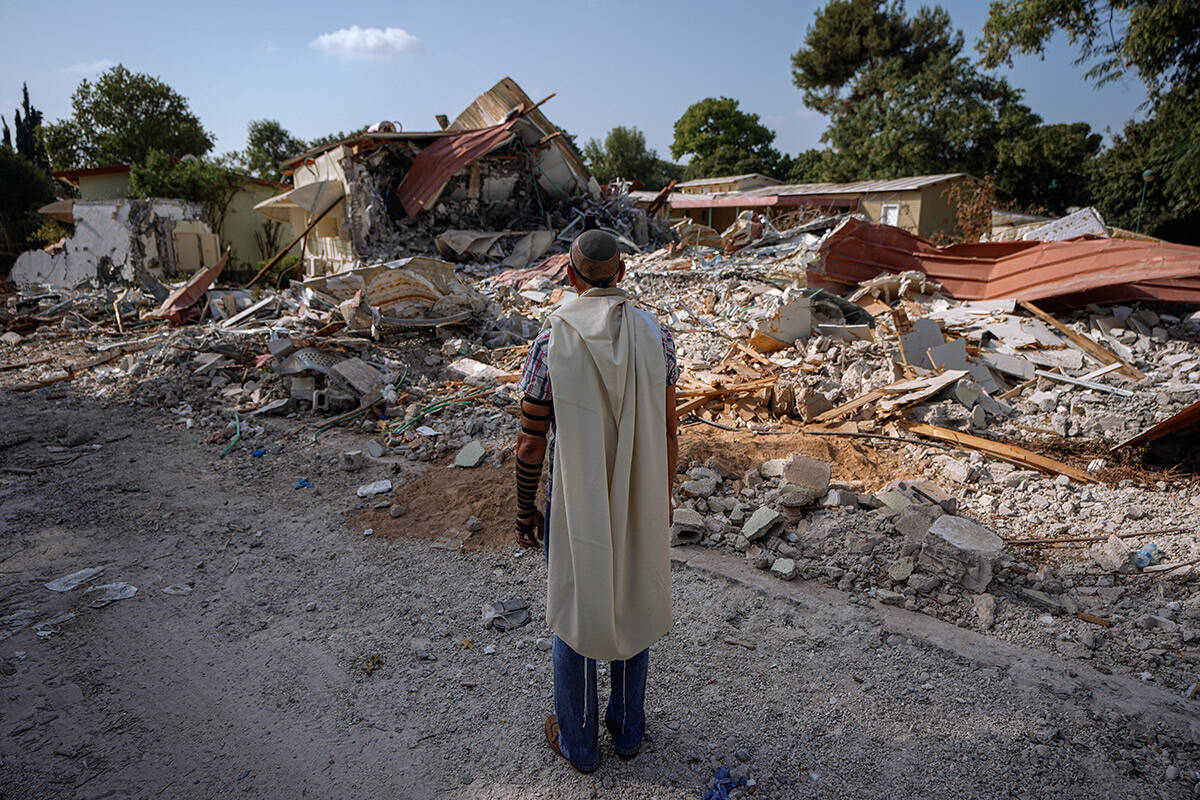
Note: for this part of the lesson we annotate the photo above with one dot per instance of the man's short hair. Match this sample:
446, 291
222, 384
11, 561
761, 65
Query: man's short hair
595, 257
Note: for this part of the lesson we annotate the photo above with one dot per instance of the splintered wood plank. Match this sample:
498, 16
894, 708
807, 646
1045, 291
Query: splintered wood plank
1084, 343
1002, 450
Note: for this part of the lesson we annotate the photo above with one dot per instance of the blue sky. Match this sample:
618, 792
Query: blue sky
611, 63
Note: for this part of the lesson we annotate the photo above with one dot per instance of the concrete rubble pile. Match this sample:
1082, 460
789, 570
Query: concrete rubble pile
1007, 482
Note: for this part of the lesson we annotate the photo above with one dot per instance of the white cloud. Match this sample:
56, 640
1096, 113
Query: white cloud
86, 69
366, 43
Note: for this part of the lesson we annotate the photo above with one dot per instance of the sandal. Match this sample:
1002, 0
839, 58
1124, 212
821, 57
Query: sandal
552, 740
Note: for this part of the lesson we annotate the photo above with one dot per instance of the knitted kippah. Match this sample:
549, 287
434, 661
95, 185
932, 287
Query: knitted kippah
595, 257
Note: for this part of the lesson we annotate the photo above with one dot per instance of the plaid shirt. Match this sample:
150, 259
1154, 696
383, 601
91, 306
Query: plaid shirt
535, 381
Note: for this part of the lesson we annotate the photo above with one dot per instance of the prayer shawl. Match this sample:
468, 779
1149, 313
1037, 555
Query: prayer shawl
609, 587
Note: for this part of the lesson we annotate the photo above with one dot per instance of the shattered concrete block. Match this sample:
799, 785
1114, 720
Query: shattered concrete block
1057, 605
1114, 555
784, 568
929, 491
900, 569
761, 524
810, 404
473, 371
12, 338
985, 610
687, 527
792, 496
360, 375
779, 329
895, 500
471, 455
840, 498
772, 468
808, 473
352, 460
888, 597
701, 487
956, 470
962, 550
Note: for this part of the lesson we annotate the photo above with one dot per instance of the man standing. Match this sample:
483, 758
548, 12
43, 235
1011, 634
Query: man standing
609, 426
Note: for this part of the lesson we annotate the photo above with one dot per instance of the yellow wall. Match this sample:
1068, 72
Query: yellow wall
938, 216
241, 220
104, 187
909, 217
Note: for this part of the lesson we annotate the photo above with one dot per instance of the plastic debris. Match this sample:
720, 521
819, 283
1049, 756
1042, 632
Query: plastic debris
73, 581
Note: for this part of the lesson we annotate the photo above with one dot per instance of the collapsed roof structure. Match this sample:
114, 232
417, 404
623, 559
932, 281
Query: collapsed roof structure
500, 166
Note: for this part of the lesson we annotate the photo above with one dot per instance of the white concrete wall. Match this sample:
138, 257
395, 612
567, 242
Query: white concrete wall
110, 244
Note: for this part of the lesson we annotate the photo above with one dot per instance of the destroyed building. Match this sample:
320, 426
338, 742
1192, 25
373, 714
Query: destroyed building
499, 179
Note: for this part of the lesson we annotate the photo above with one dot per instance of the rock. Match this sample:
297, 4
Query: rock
1058, 605
395, 510
701, 487
474, 524
888, 597
840, 498
961, 550
772, 468
985, 610
687, 527
752, 479
897, 501
810, 403
792, 496
784, 568
901, 569
471, 455
374, 488
808, 473
1114, 555
929, 492
914, 523
352, 460
12, 338
923, 584
956, 470
761, 524
422, 649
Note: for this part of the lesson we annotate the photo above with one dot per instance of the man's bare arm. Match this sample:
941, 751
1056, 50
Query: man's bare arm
531, 452
672, 451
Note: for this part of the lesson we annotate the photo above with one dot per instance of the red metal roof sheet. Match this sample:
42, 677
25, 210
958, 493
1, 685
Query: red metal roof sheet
858, 250
441, 161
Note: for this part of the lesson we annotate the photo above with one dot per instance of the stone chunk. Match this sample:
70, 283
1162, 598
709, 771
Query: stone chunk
889, 598
792, 496
762, 523
687, 527
962, 550
901, 569
914, 523
985, 610
808, 473
471, 455
1114, 556
701, 487
784, 568
840, 498
374, 488
772, 468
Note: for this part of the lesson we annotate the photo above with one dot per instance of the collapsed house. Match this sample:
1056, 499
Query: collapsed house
499, 182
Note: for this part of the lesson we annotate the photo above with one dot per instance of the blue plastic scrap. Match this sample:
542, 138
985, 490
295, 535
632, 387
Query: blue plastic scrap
259, 453
722, 783
304, 483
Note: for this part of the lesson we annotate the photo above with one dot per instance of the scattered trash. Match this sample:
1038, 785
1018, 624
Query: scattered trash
304, 483
722, 783
506, 615
111, 592
73, 581
368, 490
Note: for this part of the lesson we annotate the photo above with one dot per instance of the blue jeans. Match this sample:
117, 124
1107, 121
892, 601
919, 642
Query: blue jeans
577, 707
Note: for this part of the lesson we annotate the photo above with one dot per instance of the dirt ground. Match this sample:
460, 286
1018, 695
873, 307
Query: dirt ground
285, 659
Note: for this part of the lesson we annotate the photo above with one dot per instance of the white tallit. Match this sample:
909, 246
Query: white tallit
609, 588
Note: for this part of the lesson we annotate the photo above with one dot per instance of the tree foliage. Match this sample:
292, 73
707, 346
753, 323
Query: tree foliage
267, 144
1167, 144
1159, 39
724, 140
27, 134
25, 187
623, 154
199, 180
903, 100
120, 119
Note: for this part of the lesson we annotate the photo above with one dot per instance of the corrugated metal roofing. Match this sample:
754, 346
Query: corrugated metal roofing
861, 187
441, 161
728, 179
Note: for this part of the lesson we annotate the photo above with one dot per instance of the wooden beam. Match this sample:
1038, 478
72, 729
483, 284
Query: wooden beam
275, 258
1003, 450
1084, 343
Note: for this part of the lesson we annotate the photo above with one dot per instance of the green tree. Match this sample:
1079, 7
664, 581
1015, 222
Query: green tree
1049, 166
7, 136
903, 100
1159, 39
1167, 144
201, 180
121, 118
724, 140
623, 154
809, 166
267, 144
27, 132
330, 138
26, 187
